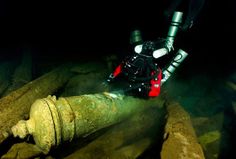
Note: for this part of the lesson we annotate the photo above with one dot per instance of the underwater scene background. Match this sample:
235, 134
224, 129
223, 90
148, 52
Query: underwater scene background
69, 50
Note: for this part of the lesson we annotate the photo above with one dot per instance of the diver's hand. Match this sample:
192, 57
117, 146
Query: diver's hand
110, 78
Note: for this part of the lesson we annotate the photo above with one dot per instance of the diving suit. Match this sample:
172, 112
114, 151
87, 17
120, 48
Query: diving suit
142, 75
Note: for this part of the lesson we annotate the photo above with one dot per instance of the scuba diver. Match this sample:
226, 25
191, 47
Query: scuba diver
140, 71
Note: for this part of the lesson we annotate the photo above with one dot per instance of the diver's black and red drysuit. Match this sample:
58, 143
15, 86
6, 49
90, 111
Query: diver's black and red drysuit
141, 71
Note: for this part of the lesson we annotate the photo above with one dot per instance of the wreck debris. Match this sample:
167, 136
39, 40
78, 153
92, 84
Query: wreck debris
22, 150
55, 121
129, 139
180, 139
208, 138
16, 105
22, 74
212, 134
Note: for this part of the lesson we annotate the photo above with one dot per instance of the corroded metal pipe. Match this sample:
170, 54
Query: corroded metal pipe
129, 139
16, 105
55, 121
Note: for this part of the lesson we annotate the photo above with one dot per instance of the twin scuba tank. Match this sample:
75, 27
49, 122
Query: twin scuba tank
136, 39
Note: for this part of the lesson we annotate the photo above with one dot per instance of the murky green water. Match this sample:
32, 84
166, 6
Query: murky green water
208, 99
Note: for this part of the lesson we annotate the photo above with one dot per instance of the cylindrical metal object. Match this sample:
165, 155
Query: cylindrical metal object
159, 53
113, 143
136, 37
174, 26
178, 59
175, 22
55, 121
16, 105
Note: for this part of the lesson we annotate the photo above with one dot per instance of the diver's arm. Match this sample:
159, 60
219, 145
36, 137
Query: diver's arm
113, 75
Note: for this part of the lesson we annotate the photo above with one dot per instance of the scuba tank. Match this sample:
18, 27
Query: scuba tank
177, 60
173, 29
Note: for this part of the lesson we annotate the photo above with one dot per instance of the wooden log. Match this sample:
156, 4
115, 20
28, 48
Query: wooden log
16, 105
180, 141
23, 150
214, 134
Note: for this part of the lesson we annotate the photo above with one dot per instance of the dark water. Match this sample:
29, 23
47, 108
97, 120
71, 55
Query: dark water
68, 33
60, 33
